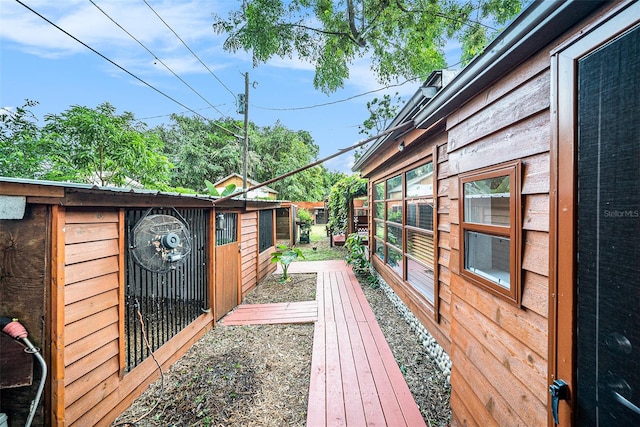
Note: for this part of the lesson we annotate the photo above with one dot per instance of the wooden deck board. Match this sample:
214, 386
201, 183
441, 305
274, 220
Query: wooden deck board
355, 379
373, 389
261, 314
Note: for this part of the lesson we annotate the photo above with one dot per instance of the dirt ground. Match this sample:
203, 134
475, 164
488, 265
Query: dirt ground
259, 375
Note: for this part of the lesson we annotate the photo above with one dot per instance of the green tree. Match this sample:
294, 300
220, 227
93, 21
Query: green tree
340, 198
381, 112
282, 150
202, 150
21, 152
402, 38
95, 144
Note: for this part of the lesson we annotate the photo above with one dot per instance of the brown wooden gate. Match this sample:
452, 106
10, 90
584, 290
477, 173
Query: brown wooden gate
227, 263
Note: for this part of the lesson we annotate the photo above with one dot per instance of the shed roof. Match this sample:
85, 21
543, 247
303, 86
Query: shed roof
535, 27
78, 194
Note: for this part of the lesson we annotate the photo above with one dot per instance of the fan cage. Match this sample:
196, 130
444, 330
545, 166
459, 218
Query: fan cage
170, 301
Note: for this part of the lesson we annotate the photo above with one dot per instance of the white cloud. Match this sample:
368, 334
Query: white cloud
191, 21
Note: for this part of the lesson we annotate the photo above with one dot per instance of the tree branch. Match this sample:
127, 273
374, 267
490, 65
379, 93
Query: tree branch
444, 16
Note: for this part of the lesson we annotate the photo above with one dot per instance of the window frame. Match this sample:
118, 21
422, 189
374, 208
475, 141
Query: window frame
512, 231
382, 244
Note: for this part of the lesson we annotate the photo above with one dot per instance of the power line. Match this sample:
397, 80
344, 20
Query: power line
122, 68
171, 114
192, 52
309, 107
156, 57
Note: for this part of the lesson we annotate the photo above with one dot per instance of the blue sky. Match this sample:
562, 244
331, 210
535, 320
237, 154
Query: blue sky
41, 63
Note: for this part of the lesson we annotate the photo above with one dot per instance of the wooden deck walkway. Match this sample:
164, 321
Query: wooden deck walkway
355, 380
269, 314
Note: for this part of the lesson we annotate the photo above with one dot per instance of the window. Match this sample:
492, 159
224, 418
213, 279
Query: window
265, 233
226, 228
490, 229
403, 216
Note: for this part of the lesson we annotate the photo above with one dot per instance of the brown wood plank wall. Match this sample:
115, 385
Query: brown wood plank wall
24, 264
248, 250
265, 266
499, 350
91, 308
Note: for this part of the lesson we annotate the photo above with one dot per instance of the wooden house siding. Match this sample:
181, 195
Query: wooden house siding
64, 262
92, 285
499, 351
248, 251
24, 272
265, 266
514, 112
254, 266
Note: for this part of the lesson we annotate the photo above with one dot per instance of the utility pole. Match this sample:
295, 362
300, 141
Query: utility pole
246, 134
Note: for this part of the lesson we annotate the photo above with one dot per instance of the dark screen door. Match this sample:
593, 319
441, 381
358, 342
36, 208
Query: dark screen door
608, 235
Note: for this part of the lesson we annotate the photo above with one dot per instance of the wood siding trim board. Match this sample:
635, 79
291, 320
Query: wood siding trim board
57, 316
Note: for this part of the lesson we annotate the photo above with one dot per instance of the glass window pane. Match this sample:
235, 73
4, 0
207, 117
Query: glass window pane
420, 213
421, 278
379, 210
395, 260
394, 188
380, 229
488, 257
394, 211
420, 245
394, 235
486, 201
378, 191
379, 248
420, 181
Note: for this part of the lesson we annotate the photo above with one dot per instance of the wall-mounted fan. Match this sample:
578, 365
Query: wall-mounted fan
160, 242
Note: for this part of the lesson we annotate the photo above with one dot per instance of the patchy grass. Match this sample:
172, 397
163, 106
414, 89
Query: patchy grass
319, 249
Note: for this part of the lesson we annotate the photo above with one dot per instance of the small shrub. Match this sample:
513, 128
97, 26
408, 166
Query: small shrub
285, 256
357, 258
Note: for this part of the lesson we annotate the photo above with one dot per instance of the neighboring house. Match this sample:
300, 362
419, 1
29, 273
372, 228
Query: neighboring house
259, 193
79, 263
506, 216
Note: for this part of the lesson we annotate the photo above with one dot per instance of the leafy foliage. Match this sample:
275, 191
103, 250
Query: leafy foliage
21, 151
89, 144
381, 112
285, 256
83, 145
202, 150
340, 198
402, 38
357, 259
228, 190
207, 150
304, 217
97, 145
